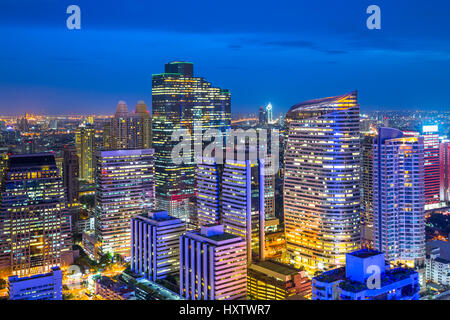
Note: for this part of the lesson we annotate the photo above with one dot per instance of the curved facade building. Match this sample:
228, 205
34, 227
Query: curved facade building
321, 185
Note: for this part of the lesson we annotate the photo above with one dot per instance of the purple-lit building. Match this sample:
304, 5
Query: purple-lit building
125, 188
213, 265
399, 196
366, 277
432, 166
47, 286
444, 155
155, 245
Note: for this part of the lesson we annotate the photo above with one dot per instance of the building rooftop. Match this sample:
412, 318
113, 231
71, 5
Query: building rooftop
315, 103
365, 253
156, 290
444, 248
391, 276
277, 267
37, 276
332, 275
31, 160
222, 237
213, 233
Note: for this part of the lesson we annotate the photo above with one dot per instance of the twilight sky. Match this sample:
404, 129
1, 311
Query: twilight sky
278, 51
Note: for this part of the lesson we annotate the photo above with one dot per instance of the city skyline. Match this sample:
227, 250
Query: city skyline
257, 53
233, 151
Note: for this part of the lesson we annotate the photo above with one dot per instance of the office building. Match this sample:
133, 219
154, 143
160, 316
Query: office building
110, 289
155, 245
262, 116
444, 155
47, 286
213, 265
85, 144
399, 196
270, 174
243, 203
3, 167
71, 174
356, 281
430, 135
367, 189
129, 130
35, 226
125, 188
321, 182
438, 262
208, 178
181, 101
269, 280
149, 290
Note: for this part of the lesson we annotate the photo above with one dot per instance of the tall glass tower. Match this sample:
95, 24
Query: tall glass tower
181, 101
321, 185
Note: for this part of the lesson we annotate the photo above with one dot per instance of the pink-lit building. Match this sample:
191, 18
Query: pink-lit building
431, 157
213, 265
445, 171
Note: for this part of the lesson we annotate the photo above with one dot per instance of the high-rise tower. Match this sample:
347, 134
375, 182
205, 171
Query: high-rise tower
35, 228
444, 156
181, 101
399, 196
432, 166
129, 130
367, 189
71, 173
125, 188
321, 182
85, 144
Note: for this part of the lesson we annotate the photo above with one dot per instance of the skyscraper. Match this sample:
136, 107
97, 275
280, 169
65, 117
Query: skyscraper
35, 225
262, 116
269, 113
399, 196
444, 155
155, 245
85, 144
129, 130
243, 203
213, 265
181, 101
208, 179
432, 166
269, 189
232, 194
125, 188
367, 190
321, 181
71, 174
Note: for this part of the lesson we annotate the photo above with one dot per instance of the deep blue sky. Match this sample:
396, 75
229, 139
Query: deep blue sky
278, 51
